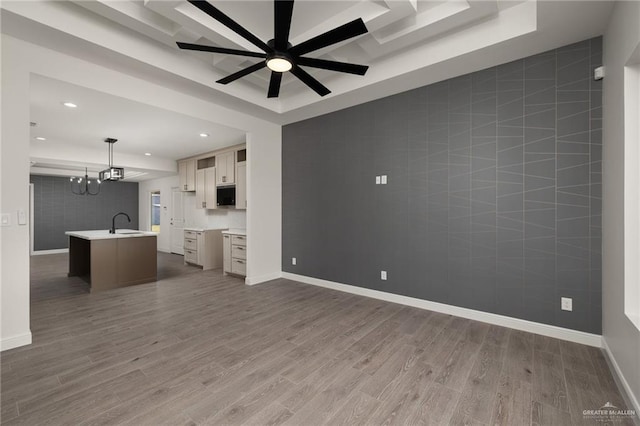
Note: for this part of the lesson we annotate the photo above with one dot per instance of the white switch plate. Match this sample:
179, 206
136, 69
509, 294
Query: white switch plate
22, 217
566, 303
377, 180
293, 260
6, 219
383, 275
383, 179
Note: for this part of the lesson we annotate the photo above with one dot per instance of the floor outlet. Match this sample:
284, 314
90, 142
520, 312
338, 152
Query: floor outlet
566, 303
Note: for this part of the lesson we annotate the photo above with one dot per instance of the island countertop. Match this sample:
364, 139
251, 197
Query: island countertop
107, 261
103, 234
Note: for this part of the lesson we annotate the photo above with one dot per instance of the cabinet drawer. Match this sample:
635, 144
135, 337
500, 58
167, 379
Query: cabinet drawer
239, 240
191, 256
238, 267
190, 234
190, 244
238, 252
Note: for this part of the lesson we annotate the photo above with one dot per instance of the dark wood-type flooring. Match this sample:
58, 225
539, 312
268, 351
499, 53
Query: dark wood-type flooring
201, 348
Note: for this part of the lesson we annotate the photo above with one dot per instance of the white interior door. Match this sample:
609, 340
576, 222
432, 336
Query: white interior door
177, 221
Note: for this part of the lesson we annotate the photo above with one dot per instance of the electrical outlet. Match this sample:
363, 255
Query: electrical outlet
383, 275
293, 260
383, 179
566, 303
377, 180
6, 219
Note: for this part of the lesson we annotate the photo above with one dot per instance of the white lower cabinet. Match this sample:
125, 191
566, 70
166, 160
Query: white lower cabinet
226, 253
203, 247
234, 253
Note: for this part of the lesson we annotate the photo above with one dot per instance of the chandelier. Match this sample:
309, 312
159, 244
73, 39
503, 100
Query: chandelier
84, 185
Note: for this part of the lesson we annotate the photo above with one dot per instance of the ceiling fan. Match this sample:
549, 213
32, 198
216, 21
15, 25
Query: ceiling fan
278, 54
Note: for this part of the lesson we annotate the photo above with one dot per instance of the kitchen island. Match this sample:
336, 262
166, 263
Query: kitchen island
108, 261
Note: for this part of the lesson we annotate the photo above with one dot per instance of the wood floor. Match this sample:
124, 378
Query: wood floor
200, 348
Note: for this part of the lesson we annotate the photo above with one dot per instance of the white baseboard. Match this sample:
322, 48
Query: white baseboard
501, 320
15, 341
262, 278
56, 251
619, 377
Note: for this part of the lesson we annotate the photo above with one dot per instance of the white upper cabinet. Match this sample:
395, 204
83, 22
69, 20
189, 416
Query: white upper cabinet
187, 174
225, 168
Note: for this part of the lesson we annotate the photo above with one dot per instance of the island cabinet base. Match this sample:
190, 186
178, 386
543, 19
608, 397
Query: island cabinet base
113, 263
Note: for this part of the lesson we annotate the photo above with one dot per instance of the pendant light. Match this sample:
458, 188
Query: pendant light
112, 173
83, 185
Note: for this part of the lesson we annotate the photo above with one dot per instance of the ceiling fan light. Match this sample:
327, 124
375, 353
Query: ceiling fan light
279, 64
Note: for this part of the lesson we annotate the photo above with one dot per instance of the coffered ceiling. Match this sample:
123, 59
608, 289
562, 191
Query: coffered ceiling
394, 26
410, 43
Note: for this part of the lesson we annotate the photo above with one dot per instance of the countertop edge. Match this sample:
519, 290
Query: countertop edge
103, 234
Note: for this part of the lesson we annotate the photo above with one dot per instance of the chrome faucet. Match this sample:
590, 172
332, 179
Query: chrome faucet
113, 222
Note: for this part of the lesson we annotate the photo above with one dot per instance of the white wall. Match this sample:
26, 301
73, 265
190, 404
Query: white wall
264, 205
164, 185
14, 196
214, 219
19, 60
619, 334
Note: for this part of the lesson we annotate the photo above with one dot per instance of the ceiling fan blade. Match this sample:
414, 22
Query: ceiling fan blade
253, 68
310, 81
282, 13
202, 48
216, 14
336, 35
274, 84
333, 65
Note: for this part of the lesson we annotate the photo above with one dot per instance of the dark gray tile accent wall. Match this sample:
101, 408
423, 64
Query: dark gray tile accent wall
494, 194
57, 210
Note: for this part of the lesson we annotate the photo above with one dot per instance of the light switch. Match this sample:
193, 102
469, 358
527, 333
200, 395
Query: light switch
383, 179
566, 303
6, 219
377, 180
22, 217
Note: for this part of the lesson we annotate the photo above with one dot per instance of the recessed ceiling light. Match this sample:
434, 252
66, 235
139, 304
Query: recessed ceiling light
40, 138
204, 135
148, 154
69, 104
